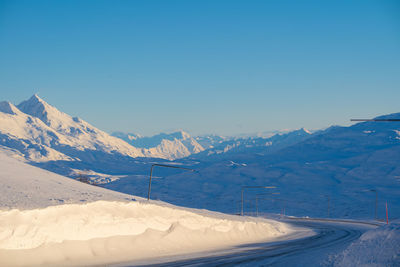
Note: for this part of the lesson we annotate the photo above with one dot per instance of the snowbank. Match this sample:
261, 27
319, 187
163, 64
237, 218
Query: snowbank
27, 187
104, 232
50, 220
378, 247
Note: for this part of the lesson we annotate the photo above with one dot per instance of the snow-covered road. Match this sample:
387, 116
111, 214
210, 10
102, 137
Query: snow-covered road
331, 237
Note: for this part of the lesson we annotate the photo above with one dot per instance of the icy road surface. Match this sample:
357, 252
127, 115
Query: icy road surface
316, 250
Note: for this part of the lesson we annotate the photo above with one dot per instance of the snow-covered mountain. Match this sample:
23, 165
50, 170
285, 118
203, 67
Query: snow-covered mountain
339, 163
50, 220
169, 146
330, 173
210, 141
226, 148
42, 133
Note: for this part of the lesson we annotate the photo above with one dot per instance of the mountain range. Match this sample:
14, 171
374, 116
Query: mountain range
168, 146
335, 172
40, 132
330, 172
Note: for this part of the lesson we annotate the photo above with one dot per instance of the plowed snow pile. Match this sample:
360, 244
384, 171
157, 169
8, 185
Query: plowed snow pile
84, 230
377, 247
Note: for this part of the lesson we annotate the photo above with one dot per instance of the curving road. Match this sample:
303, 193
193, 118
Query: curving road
331, 237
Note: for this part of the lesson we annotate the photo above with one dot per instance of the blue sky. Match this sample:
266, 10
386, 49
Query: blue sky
223, 67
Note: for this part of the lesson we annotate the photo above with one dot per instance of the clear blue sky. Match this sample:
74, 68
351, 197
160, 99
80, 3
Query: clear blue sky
223, 67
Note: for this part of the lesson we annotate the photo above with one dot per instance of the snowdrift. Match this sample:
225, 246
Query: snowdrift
105, 232
50, 220
377, 247
27, 187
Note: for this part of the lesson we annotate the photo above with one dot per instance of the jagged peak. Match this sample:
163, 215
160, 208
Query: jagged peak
34, 101
180, 134
302, 130
8, 108
36, 97
37, 107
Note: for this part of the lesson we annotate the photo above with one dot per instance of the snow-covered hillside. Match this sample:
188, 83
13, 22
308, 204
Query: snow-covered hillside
168, 146
210, 141
340, 167
332, 173
377, 247
50, 220
241, 147
40, 132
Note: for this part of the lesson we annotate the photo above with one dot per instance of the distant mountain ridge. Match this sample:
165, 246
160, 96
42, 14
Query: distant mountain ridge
172, 146
39, 132
228, 148
333, 172
339, 164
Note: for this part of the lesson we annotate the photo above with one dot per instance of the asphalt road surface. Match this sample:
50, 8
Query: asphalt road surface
331, 237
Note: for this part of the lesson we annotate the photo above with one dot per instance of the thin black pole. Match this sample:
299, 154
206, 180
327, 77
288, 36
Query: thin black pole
151, 173
241, 213
329, 206
244, 187
166, 166
376, 202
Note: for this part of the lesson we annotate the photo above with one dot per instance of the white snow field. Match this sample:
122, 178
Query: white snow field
50, 220
377, 247
42, 133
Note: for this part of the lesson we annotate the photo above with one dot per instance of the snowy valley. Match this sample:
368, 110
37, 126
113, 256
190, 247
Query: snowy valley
334, 172
340, 172
100, 226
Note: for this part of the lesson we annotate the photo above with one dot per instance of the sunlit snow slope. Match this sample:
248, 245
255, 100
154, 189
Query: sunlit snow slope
168, 146
41, 133
50, 220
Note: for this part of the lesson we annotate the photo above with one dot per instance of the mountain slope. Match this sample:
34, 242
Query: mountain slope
330, 173
76, 132
42, 133
50, 220
170, 146
28, 187
243, 148
28, 135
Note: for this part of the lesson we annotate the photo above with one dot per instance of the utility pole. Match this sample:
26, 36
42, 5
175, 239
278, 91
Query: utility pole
329, 204
247, 187
257, 198
166, 166
376, 202
373, 190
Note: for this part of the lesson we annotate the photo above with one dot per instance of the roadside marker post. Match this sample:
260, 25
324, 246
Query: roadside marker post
387, 215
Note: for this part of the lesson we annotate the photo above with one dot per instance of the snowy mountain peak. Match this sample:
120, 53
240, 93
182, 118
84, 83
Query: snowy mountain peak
170, 146
8, 108
301, 131
35, 100
306, 131
36, 97
180, 135
41, 132
55, 119
37, 107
